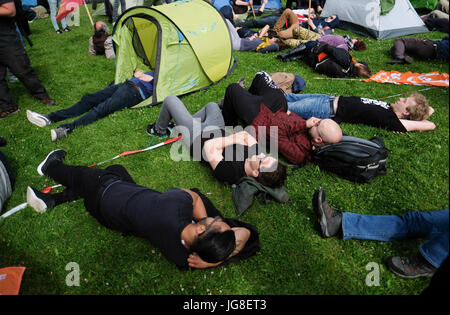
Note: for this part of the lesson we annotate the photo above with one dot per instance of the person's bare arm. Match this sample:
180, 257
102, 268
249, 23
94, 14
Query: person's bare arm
142, 76
214, 148
8, 10
199, 210
412, 125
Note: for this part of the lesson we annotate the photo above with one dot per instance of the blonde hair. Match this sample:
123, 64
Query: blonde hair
421, 110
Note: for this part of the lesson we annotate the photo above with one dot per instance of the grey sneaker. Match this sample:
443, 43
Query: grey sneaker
58, 133
37, 119
410, 267
55, 155
330, 220
38, 200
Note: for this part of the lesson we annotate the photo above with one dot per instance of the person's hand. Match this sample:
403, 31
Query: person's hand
196, 262
311, 122
143, 77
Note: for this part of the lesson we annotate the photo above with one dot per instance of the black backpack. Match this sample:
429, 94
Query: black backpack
353, 158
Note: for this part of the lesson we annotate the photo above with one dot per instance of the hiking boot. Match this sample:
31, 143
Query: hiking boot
151, 130
58, 133
37, 119
8, 112
55, 155
38, 200
330, 220
48, 102
410, 267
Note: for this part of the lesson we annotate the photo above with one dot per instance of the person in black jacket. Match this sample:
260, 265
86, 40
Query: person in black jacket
182, 223
328, 60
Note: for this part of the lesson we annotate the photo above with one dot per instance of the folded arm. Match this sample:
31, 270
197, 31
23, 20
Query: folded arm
412, 125
214, 148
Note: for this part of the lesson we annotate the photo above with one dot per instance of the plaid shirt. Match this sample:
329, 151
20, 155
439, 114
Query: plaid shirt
293, 140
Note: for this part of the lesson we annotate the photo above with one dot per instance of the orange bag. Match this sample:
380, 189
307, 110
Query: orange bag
10, 280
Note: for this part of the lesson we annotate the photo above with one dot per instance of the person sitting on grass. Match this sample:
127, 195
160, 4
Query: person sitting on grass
182, 223
406, 114
101, 42
231, 157
264, 105
432, 225
97, 105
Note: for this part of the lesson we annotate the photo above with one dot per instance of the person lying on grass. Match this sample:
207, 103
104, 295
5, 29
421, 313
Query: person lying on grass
406, 114
182, 223
264, 105
97, 105
326, 59
231, 157
244, 39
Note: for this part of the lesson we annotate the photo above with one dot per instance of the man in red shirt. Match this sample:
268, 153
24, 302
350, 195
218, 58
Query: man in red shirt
263, 105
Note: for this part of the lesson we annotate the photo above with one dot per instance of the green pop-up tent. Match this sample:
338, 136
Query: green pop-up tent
186, 43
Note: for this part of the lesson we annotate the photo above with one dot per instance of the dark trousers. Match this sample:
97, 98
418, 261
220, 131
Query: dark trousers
85, 182
14, 56
240, 104
98, 105
414, 47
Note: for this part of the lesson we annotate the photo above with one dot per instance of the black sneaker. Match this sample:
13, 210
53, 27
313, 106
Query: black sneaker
330, 220
58, 32
38, 200
410, 267
55, 155
151, 130
67, 29
8, 112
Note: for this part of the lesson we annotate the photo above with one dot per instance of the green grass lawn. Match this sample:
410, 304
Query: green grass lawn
294, 259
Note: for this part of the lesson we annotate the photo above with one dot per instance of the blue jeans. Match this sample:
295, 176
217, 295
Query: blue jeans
432, 225
98, 105
309, 105
54, 6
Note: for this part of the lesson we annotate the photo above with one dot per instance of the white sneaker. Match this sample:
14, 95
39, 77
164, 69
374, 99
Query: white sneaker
37, 119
